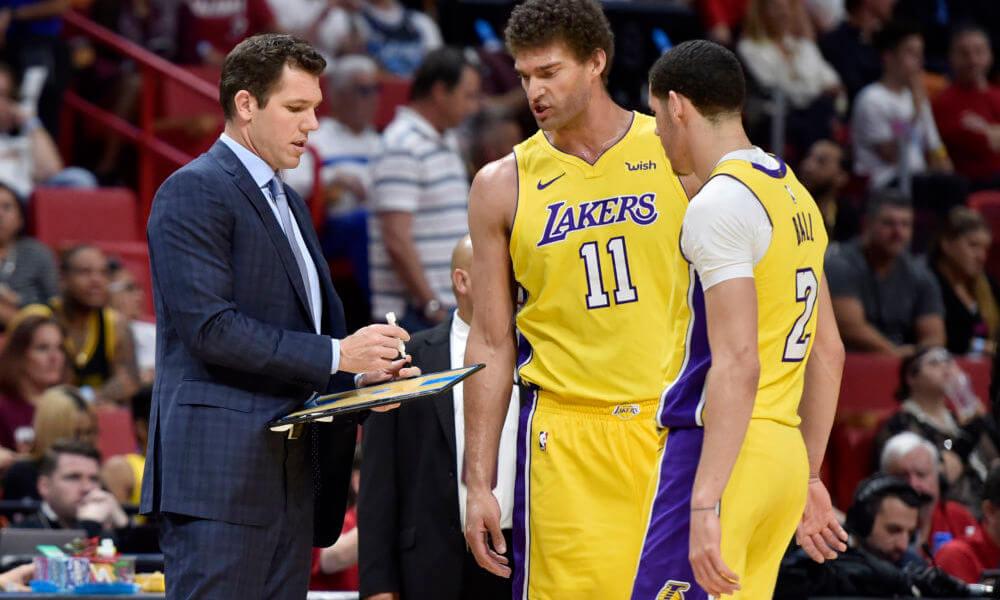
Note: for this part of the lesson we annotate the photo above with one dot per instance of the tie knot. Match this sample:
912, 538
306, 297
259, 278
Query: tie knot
276, 188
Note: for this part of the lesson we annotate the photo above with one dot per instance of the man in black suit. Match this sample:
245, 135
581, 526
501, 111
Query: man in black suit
411, 506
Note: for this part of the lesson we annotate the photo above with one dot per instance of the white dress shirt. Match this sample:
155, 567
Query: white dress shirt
504, 491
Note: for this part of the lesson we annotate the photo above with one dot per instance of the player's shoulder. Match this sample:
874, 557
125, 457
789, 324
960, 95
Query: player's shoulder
495, 188
500, 172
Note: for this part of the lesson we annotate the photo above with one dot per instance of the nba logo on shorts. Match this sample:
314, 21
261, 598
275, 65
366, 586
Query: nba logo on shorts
673, 590
543, 439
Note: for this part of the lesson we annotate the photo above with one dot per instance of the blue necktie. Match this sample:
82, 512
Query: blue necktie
278, 193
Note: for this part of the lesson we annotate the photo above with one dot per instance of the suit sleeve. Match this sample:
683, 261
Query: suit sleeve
190, 244
378, 507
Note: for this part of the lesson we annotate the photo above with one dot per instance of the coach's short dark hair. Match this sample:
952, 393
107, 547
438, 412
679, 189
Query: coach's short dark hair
886, 198
50, 460
580, 24
707, 74
256, 64
444, 65
895, 32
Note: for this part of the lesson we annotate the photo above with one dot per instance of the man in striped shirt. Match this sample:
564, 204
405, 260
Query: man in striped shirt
419, 194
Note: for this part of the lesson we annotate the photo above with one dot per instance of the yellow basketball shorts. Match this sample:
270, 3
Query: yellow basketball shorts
580, 497
759, 511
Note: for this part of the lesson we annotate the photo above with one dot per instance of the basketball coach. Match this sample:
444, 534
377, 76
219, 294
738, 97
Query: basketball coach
248, 327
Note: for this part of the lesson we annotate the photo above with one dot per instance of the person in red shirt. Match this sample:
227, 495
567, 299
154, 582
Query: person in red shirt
967, 558
910, 457
968, 111
209, 29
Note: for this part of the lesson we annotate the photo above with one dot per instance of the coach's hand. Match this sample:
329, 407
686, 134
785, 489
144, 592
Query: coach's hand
396, 370
482, 525
819, 533
705, 555
371, 348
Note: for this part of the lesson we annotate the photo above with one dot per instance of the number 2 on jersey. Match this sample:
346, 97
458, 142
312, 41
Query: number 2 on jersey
625, 292
807, 292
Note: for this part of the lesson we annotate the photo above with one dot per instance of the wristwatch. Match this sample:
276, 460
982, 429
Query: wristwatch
432, 307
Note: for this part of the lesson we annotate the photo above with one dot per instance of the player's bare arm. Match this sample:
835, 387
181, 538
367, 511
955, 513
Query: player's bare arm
819, 533
730, 390
492, 202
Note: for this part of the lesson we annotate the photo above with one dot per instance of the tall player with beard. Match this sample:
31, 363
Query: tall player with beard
581, 224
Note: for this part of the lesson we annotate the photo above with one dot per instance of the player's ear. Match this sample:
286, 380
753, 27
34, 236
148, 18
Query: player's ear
598, 61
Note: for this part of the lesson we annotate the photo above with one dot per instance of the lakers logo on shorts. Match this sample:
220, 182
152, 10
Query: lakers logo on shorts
543, 440
626, 411
673, 590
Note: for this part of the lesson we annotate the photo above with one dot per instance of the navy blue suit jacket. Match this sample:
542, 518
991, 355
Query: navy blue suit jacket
236, 347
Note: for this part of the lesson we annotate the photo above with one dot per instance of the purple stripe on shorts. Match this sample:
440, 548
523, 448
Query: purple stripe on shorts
681, 400
664, 570
529, 396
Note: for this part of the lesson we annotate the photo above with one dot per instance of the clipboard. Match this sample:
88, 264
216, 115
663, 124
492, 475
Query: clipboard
324, 408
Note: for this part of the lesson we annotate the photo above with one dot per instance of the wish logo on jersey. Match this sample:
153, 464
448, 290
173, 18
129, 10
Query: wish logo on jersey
564, 219
673, 590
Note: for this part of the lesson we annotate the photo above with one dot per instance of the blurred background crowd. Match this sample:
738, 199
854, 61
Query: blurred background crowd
889, 111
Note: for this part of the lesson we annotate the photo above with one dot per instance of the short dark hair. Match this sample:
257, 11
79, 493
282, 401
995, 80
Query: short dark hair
887, 197
444, 65
895, 32
68, 254
580, 24
50, 460
967, 28
707, 74
256, 64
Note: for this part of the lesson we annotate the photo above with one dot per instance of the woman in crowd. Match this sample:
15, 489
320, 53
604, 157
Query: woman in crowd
61, 414
779, 60
939, 405
32, 361
27, 268
958, 259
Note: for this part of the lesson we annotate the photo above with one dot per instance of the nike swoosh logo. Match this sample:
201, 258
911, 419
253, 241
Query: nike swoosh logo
542, 186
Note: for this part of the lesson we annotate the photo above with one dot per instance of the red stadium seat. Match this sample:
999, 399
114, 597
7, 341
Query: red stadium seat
116, 434
393, 92
67, 215
987, 203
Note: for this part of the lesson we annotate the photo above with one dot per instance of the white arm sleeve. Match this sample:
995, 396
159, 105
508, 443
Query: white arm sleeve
726, 231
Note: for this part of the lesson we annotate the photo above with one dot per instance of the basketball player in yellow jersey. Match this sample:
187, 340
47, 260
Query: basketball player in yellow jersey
739, 471
581, 222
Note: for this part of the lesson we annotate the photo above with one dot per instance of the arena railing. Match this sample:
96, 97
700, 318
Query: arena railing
156, 157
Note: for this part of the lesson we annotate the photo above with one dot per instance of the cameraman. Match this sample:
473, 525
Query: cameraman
882, 521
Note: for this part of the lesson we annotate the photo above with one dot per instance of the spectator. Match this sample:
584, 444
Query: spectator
27, 269
32, 361
98, 337
885, 300
60, 414
893, 127
209, 29
17, 579
849, 47
397, 38
882, 522
822, 172
122, 474
494, 136
419, 194
722, 17
967, 558
966, 437
790, 65
151, 24
915, 460
34, 39
346, 144
70, 489
335, 568
28, 155
968, 111
129, 299
958, 259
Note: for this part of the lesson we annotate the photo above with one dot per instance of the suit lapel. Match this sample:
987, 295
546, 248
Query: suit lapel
246, 184
301, 215
438, 358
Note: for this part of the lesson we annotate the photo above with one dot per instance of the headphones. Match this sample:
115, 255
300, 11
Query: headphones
868, 497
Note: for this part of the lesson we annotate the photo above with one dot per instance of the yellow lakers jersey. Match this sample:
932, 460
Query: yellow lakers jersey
594, 250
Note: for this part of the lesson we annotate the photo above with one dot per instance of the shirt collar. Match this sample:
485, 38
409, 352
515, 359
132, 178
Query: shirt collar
458, 326
418, 121
260, 171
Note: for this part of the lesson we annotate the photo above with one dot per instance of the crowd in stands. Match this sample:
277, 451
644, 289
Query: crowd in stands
888, 110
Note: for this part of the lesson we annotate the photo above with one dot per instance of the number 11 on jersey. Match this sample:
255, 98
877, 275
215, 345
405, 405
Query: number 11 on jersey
624, 292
